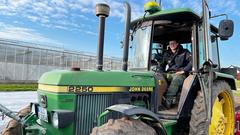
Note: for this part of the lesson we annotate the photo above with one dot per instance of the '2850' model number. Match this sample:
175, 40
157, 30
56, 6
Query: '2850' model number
80, 89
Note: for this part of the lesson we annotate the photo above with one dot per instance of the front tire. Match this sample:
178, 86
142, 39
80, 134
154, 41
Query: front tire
124, 126
222, 120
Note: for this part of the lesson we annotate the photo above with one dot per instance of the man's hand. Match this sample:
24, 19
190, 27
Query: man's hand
179, 72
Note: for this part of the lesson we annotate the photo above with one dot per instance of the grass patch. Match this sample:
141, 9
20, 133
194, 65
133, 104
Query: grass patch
238, 84
18, 87
236, 92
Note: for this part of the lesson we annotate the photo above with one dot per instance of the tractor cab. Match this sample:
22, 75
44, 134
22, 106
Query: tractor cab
149, 40
150, 36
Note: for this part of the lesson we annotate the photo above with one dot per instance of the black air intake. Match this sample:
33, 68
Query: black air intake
90, 106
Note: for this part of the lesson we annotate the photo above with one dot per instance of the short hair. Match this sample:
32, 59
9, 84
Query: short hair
174, 40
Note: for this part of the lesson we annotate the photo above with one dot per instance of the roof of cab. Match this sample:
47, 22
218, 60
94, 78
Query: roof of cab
179, 15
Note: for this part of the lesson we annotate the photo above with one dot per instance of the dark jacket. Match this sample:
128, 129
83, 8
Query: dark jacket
180, 61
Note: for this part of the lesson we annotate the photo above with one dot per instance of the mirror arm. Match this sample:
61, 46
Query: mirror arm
219, 16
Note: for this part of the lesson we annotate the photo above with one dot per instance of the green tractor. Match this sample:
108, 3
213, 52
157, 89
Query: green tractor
75, 101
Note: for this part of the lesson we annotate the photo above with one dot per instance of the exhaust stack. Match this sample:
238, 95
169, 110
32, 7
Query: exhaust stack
126, 38
102, 11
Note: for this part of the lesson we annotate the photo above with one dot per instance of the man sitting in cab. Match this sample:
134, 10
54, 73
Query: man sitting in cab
177, 63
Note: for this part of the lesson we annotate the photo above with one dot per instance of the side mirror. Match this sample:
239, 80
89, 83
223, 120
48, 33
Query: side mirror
226, 29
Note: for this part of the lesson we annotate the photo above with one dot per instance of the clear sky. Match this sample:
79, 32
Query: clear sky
72, 24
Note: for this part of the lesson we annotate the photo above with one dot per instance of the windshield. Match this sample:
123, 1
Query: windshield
139, 48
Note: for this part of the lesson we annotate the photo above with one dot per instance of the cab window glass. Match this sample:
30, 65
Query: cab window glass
201, 47
187, 46
213, 49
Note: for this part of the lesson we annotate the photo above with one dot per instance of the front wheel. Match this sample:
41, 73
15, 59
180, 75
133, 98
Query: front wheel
222, 120
124, 126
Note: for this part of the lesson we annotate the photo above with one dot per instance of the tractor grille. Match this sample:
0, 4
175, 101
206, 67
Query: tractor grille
90, 106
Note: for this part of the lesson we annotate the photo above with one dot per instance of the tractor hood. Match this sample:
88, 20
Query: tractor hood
97, 78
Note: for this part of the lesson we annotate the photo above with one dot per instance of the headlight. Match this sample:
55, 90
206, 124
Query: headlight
62, 118
55, 119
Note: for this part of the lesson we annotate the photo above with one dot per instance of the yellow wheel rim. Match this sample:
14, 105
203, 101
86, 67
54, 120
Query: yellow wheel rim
222, 122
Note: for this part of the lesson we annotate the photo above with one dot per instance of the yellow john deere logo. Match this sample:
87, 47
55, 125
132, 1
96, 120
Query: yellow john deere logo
141, 89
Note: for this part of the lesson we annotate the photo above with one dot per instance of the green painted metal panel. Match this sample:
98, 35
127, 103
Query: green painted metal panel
218, 74
169, 125
57, 101
86, 107
228, 78
96, 78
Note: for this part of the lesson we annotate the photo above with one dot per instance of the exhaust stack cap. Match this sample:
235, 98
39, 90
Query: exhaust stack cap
102, 9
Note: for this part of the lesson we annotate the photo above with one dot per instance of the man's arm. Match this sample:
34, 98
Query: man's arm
188, 67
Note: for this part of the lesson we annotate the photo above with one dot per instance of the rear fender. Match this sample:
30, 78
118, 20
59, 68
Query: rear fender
226, 77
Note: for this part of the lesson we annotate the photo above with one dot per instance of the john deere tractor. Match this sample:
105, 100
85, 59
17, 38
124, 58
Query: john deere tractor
75, 101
